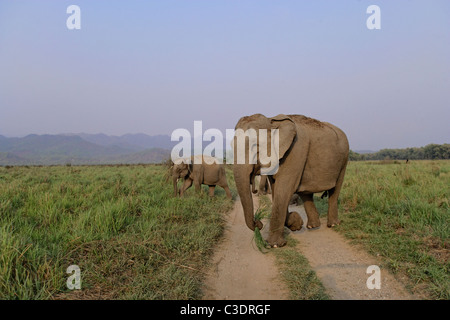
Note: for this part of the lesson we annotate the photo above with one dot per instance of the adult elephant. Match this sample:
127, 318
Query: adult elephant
312, 157
206, 171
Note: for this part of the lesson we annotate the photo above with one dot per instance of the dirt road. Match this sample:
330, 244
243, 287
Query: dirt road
342, 267
241, 272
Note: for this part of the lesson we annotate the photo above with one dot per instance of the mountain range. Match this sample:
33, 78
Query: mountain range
84, 148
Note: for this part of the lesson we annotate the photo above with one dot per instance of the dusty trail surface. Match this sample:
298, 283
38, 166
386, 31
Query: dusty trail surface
342, 267
241, 272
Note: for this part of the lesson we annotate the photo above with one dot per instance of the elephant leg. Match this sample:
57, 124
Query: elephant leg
223, 184
272, 186
262, 185
268, 188
198, 177
211, 191
333, 196
227, 191
197, 186
279, 212
186, 185
311, 210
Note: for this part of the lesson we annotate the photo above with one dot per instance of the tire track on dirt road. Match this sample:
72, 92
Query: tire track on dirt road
342, 267
241, 272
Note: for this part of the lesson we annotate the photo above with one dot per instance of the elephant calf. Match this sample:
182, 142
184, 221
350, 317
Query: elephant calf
198, 174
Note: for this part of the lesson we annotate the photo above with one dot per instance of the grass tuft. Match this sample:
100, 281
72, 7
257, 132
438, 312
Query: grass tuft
298, 275
120, 224
261, 244
260, 214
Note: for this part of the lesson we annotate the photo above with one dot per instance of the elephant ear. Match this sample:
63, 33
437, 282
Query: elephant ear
287, 132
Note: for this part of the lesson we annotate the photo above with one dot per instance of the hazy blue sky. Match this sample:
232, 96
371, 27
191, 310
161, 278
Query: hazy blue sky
154, 66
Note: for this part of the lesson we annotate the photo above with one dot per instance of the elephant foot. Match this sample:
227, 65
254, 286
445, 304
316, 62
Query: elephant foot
312, 225
276, 241
295, 222
333, 223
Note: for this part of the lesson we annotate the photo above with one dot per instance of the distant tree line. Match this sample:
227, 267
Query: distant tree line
429, 152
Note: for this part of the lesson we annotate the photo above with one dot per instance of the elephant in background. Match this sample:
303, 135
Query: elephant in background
264, 185
198, 174
312, 155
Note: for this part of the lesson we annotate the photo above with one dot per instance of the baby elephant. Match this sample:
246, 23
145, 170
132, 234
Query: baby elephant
294, 221
203, 171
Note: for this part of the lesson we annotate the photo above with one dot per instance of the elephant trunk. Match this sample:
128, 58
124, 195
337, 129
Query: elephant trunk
242, 177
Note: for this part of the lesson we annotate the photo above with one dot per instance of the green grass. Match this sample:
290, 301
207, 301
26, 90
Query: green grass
263, 212
120, 224
401, 214
300, 278
133, 240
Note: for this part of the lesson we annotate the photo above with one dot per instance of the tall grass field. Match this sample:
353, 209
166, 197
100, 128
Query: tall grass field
132, 239
400, 212
120, 224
